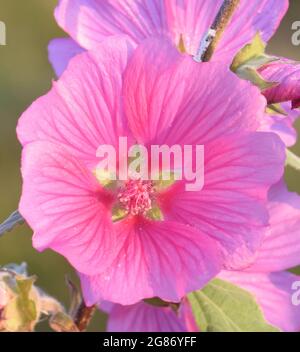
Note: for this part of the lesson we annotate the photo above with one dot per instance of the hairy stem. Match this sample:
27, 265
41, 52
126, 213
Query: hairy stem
210, 41
83, 316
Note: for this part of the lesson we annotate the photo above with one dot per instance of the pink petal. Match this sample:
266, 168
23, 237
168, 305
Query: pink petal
281, 247
143, 317
231, 206
84, 108
90, 21
66, 207
170, 99
273, 293
157, 259
61, 51
191, 20
282, 125
287, 74
252, 17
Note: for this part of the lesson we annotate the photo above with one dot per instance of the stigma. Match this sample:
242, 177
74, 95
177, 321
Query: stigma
136, 196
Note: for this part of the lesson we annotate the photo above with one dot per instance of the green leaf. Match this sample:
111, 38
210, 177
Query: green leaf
292, 160
249, 52
249, 59
224, 307
250, 74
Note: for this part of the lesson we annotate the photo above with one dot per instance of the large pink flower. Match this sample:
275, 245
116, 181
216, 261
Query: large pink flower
153, 96
265, 278
88, 22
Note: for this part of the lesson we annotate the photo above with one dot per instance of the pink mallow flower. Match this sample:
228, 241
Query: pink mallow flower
152, 95
185, 22
265, 278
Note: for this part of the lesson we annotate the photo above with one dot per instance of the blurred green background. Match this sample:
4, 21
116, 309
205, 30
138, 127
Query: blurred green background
25, 74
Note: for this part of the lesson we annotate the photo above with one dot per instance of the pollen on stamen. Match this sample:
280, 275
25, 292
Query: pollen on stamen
136, 196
